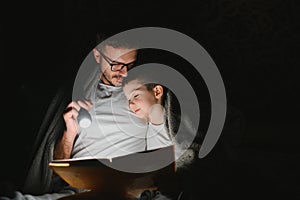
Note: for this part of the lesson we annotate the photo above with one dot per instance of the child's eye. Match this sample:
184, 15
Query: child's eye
135, 96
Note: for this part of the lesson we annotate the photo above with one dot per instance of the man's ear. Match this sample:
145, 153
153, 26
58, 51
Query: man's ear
158, 91
96, 55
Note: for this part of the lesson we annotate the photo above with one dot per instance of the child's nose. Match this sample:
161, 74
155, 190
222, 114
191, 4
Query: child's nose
131, 102
131, 105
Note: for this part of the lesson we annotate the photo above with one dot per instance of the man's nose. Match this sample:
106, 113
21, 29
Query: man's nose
123, 72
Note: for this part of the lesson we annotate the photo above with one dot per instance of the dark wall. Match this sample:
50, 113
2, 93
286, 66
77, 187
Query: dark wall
253, 43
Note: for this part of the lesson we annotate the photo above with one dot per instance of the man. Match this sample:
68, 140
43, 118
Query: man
115, 59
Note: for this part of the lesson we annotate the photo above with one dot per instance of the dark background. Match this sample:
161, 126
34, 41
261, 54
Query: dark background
253, 43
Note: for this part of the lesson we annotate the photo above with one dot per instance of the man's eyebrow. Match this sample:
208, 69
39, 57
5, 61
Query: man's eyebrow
115, 61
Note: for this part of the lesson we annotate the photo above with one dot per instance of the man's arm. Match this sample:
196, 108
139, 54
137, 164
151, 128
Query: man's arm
63, 147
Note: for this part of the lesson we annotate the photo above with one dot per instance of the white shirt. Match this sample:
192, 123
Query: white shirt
115, 131
157, 136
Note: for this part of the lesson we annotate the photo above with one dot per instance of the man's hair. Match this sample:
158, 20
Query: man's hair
108, 39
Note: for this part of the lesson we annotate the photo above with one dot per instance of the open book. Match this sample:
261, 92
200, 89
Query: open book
125, 175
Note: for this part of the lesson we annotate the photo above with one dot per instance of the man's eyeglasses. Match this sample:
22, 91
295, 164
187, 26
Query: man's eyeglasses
115, 65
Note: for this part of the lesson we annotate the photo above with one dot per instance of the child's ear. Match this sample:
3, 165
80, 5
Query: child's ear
158, 91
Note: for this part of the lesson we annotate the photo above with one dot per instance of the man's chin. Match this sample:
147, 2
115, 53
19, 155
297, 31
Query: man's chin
118, 82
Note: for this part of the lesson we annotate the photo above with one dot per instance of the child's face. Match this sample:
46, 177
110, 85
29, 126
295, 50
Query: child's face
140, 99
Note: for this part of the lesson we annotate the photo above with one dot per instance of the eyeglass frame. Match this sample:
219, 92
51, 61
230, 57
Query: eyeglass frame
113, 63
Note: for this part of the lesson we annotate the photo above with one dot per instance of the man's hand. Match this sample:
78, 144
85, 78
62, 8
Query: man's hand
63, 148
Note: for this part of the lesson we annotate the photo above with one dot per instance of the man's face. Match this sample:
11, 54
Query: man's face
114, 55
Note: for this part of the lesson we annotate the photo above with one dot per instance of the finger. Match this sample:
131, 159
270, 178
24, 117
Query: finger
71, 111
74, 105
89, 103
71, 115
84, 104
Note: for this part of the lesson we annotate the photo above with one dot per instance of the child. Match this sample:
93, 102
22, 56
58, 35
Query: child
152, 101
147, 99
